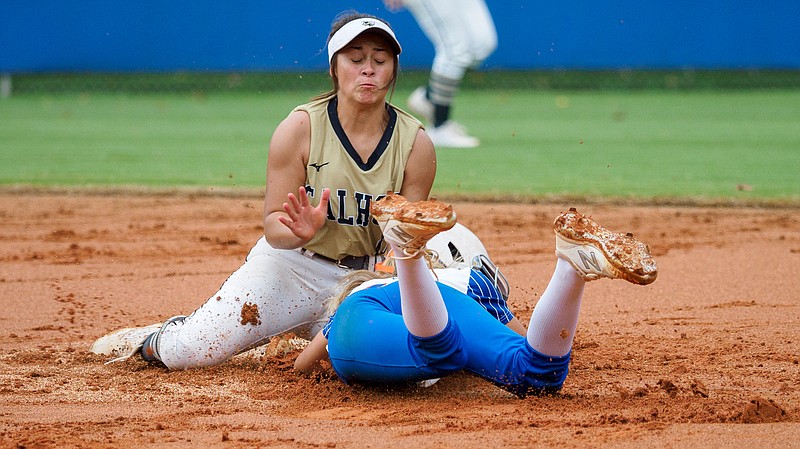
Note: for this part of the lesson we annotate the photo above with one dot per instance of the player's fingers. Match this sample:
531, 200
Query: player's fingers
290, 211
323, 201
286, 222
302, 196
294, 202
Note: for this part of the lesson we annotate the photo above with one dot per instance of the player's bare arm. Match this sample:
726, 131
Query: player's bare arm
420, 170
312, 359
516, 325
286, 174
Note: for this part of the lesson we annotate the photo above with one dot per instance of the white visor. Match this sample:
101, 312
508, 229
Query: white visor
355, 27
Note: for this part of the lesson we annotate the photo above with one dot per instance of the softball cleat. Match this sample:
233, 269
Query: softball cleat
596, 252
451, 134
409, 225
124, 343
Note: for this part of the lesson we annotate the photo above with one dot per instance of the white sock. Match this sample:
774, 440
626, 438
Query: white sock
421, 301
555, 317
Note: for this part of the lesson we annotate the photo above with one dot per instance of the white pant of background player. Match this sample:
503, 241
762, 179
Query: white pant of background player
463, 35
462, 32
286, 288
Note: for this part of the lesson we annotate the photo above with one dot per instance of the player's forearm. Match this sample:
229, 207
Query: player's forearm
314, 358
516, 325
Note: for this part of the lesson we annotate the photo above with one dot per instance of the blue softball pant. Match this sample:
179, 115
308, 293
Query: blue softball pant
368, 343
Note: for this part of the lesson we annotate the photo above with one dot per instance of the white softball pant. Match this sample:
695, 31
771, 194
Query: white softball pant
275, 291
462, 32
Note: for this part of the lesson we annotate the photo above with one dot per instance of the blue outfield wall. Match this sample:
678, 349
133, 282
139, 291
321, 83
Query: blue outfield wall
248, 35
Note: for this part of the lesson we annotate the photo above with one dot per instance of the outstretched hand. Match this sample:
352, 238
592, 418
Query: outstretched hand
303, 219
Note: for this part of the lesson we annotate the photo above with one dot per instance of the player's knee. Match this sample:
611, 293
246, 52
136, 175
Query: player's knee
483, 46
444, 351
481, 53
547, 373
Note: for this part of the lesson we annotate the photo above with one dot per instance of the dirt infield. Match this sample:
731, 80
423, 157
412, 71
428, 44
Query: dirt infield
706, 356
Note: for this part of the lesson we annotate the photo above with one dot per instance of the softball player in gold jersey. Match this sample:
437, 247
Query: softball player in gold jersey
328, 160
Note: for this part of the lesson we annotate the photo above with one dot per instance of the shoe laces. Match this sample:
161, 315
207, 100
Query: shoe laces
429, 255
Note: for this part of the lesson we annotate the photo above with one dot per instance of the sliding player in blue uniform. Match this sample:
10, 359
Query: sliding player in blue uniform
412, 328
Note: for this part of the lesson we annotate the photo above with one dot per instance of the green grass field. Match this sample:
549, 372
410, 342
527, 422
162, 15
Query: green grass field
636, 145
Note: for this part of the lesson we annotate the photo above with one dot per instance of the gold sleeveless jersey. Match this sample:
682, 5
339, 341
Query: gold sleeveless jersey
334, 164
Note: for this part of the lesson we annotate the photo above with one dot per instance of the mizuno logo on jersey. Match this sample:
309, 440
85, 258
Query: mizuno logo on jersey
318, 166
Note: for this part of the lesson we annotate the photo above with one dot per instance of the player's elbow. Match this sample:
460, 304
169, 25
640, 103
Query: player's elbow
278, 236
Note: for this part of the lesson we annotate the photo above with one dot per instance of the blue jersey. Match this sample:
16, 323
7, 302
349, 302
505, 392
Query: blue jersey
368, 342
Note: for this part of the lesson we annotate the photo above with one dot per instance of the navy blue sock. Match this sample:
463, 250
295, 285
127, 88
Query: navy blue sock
148, 350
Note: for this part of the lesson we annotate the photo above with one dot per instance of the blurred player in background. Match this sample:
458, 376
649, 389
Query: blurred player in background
463, 35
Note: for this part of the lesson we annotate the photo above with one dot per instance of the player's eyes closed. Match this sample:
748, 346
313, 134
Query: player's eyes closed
357, 54
360, 60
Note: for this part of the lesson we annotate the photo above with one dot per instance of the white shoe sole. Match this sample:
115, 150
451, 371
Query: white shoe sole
410, 225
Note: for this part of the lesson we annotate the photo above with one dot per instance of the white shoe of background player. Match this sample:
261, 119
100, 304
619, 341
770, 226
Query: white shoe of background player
596, 252
451, 135
419, 104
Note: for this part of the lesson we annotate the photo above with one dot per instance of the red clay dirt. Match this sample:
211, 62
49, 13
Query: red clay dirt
707, 356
